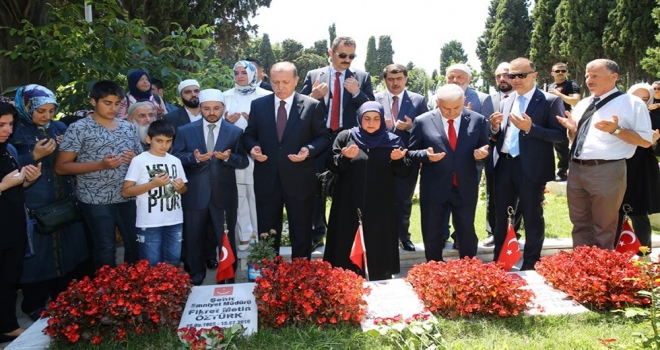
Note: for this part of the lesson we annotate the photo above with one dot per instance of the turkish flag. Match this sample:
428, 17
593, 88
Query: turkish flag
225, 261
220, 291
628, 241
357, 251
510, 253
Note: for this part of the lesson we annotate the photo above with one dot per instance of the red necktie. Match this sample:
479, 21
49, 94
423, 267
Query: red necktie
281, 120
452, 142
395, 110
336, 99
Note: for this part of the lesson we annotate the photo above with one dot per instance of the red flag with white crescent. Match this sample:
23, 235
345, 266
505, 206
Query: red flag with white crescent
628, 241
225, 261
510, 253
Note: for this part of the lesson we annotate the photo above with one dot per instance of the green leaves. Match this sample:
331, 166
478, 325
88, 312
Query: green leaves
73, 53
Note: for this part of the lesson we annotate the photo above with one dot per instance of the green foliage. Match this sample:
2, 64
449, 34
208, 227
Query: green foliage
577, 34
510, 35
652, 60
319, 48
384, 52
483, 44
418, 81
540, 51
332, 31
450, 53
73, 53
307, 62
291, 49
627, 35
371, 61
266, 54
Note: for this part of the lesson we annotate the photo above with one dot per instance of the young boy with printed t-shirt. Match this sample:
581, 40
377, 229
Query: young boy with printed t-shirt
157, 179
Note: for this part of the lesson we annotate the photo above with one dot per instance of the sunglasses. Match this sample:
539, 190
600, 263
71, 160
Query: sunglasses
560, 71
656, 89
343, 55
519, 75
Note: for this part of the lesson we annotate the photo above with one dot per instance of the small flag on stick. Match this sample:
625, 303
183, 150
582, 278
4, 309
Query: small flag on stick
359, 251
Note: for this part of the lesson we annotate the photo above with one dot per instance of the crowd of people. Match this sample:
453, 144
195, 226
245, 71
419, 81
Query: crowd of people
173, 181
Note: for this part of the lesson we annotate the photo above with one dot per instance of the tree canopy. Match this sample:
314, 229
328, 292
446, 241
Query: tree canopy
450, 53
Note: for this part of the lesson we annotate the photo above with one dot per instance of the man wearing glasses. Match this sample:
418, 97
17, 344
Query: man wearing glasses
343, 90
524, 132
569, 92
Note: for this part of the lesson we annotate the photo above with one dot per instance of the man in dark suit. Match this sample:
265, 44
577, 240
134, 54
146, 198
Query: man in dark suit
401, 108
210, 149
286, 131
260, 73
524, 132
189, 92
449, 141
353, 88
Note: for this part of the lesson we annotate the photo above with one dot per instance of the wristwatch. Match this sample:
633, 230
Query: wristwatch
617, 130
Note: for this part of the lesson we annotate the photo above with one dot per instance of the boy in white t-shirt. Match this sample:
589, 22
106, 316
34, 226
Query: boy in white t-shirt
157, 179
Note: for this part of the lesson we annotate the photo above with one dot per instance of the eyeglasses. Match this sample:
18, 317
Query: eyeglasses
519, 75
560, 70
344, 55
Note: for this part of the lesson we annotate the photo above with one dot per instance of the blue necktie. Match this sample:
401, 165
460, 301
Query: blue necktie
514, 147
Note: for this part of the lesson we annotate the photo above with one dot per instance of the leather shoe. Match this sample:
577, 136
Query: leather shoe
527, 267
455, 245
317, 244
443, 243
211, 264
408, 246
560, 178
489, 241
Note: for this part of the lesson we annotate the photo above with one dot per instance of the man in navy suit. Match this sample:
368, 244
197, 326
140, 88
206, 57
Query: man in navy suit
449, 141
525, 132
210, 149
353, 88
401, 108
189, 92
286, 131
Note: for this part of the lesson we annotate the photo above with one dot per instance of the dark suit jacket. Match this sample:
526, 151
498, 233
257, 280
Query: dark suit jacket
213, 180
304, 128
350, 104
436, 177
536, 148
412, 105
178, 117
264, 85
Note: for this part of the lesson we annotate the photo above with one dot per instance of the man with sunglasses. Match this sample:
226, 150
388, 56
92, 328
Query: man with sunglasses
569, 92
524, 133
343, 90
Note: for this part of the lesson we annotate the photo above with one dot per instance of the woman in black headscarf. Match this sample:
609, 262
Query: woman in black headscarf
139, 87
366, 159
13, 235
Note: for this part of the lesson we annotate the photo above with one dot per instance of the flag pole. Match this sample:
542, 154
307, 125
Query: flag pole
364, 256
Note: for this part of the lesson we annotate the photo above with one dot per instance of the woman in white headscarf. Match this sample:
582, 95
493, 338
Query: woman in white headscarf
238, 102
643, 188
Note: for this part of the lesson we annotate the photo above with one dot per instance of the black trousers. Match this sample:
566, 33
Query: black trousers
562, 150
405, 188
11, 267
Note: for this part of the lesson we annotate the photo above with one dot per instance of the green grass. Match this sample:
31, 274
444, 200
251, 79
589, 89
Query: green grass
540, 332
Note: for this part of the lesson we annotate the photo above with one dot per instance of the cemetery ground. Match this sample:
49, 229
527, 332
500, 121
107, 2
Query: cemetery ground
592, 330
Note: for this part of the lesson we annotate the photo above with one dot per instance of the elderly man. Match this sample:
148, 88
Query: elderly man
188, 90
343, 90
401, 109
448, 141
569, 92
286, 131
210, 150
524, 133
460, 74
142, 114
605, 128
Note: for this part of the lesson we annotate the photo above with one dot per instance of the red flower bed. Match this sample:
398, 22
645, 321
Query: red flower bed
466, 287
129, 298
602, 279
307, 292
